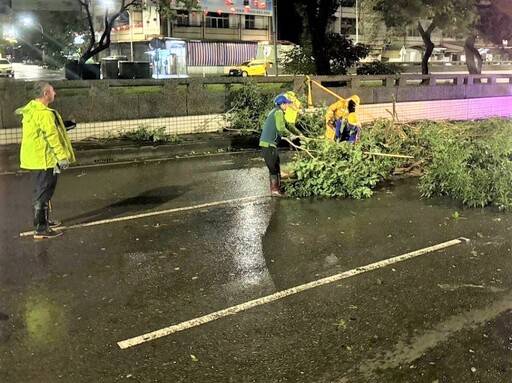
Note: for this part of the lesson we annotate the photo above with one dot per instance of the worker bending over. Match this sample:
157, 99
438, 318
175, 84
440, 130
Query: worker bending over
340, 109
347, 129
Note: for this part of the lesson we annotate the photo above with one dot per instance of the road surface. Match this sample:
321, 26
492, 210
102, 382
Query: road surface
185, 270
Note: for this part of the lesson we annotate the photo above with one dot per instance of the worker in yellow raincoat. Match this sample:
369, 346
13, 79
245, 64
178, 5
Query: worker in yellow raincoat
337, 110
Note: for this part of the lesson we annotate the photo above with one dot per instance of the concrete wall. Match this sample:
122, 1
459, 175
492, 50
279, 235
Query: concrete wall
437, 110
112, 100
172, 125
102, 105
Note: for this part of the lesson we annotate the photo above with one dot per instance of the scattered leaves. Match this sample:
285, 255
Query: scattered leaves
341, 324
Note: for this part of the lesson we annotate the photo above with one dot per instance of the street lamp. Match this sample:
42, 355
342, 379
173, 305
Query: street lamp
274, 22
131, 33
30, 22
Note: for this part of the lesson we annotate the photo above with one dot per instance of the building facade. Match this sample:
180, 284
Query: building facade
227, 32
220, 34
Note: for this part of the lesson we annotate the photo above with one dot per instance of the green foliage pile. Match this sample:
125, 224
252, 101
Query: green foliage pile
342, 169
468, 161
337, 170
145, 134
248, 107
311, 122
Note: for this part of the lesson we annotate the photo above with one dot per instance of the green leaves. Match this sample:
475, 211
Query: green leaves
339, 170
248, 107
378, 68
341, 55
470, 162
145, 133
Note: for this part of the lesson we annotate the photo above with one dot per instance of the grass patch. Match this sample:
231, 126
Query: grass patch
271, 86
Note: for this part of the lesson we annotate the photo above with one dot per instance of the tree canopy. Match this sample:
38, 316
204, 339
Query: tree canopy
343, 54
495, 21
322, 52
165, 8
453, 15
60, 31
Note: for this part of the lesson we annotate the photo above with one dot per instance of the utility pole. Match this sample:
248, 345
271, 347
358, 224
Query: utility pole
131, 33
357, 22
274, 19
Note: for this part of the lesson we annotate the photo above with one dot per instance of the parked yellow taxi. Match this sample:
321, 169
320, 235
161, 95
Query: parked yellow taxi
251, 68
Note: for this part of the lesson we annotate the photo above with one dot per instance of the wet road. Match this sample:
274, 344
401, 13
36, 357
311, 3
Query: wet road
66, 303
30, 72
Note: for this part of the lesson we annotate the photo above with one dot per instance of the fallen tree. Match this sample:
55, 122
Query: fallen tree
469, 161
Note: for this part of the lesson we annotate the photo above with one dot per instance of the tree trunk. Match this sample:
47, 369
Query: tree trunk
322, 64
473, 57
94, 48
429, 45
316, 19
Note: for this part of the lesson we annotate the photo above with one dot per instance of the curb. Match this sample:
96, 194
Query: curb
93, 153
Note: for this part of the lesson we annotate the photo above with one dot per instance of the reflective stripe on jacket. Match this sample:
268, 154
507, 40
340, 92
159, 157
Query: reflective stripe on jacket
44, 138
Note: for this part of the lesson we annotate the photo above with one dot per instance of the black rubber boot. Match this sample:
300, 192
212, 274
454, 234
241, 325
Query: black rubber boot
42, 230
39, 218
52, 222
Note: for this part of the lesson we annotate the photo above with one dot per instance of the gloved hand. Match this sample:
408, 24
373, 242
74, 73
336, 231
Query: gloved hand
69, 124
63, 164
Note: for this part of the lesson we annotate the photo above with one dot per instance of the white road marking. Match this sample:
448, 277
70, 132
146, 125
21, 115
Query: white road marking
154, 213
281, 294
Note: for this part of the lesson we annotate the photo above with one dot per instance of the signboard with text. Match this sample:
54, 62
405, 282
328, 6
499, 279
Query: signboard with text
246, 7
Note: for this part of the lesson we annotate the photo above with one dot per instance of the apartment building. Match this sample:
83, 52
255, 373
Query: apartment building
222, 33
226, 32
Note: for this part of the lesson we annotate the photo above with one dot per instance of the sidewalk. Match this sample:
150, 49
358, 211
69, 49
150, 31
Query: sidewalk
112, 150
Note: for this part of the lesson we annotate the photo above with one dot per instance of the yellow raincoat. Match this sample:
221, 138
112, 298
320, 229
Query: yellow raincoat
44, 138
290, 115
336, 111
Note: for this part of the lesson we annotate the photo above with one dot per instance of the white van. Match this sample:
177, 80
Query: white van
6, 68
